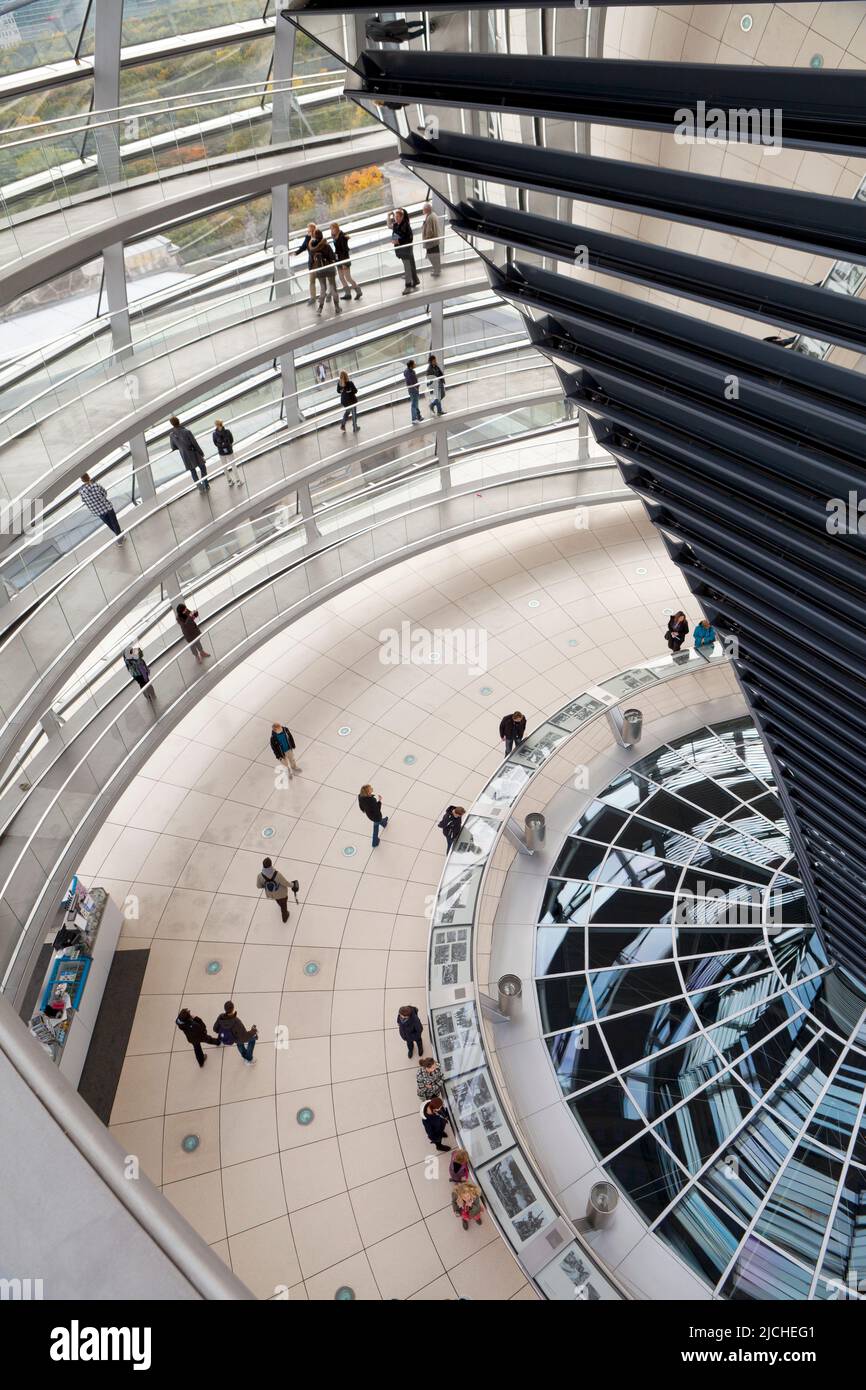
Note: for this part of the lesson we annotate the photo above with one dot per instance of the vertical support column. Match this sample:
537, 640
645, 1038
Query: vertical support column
284, 59
306, 509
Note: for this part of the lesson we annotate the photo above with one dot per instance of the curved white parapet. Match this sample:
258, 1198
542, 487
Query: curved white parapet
545, 1242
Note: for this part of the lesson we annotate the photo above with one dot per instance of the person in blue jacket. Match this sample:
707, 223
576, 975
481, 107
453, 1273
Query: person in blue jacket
704, 634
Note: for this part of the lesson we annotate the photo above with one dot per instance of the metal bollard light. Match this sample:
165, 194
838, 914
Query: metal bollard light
632, 726
510, 988
535, 828
601, 1205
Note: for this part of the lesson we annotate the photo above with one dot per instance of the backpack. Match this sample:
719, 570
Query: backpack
225, 1036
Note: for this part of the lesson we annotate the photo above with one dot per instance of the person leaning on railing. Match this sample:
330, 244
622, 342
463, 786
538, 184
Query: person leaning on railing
431, 234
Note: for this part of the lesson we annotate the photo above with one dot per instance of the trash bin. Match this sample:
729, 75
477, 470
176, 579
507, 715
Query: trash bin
603, 1201
534, 829
632, 726
510, 988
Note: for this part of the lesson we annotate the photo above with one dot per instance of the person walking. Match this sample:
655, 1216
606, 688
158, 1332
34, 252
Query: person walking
466, 1201
191, 631
410, 376
704, 634
283, 748
435, 1119
402, 237
410, 1027
191, 453
340, 241
428, 1078
276, 887
305, 247
348, 393
371, 805
431, 235
458, 1168
195, 1032
512, 728
224, 441
452, 823
435, 385
133, 660
677, 630
97, 500
229, 1029
324, 264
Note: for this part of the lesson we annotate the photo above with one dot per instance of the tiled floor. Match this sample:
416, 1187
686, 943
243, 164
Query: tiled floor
354, 1198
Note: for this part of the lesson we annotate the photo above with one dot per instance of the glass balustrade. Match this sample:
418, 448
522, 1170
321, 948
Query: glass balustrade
382, 409
154, 143
36, 436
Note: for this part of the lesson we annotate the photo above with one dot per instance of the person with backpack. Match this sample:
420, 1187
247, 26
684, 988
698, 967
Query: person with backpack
410, 1027
191, 452
229, 1030
195, 1032
401, 239
283, 748
225, 447
340, 241
435, 385
371, 805
348, 393
451, 824
435, 1119
133, 660
276, 887
466, 1201
410, 376
429, 1078
325, 267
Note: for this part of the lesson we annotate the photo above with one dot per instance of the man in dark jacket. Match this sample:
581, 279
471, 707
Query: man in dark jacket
282, 747
196, 1033
190, 451
512, 728
410, 376
435, 1119
452, 823
229, 1029
410, 1027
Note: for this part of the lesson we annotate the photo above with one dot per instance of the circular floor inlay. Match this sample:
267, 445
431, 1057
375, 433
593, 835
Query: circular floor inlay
311, 967
305, 1115
214, 967
344, 1294
534, 603
816, 60
641, 569
189, 1143
268, 832
746, 23
344, 730
349, 850
410, 759
487, 690
572, 641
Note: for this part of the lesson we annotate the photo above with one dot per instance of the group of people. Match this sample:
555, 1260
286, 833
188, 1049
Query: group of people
96, 499
466, 1197
325, 262
348, 392
403, 237
678, 630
